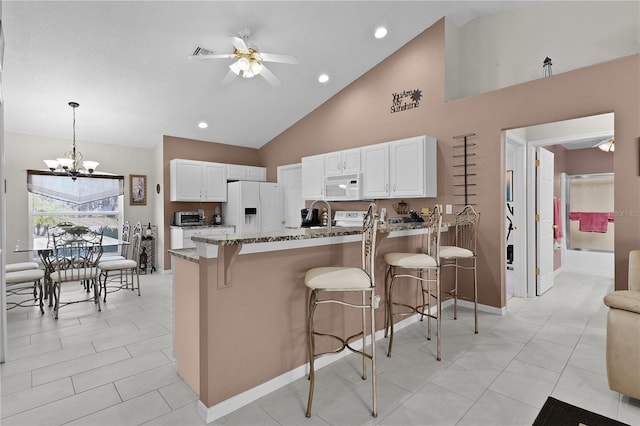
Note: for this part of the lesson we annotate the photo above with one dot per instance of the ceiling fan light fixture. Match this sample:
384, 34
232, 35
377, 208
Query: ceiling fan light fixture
235, 68
244, 64
255, 67
248, 61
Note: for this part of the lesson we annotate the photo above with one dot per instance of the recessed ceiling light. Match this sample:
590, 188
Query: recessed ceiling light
203, 125
380, 32
323, 78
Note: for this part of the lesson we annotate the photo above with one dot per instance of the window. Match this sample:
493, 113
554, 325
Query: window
96, 202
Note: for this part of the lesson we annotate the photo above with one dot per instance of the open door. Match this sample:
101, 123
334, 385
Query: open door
290, 179
544, 220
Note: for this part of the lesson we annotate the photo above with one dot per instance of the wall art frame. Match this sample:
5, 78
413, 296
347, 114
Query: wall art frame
137, 190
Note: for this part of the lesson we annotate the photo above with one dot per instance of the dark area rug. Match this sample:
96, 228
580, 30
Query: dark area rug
558, 413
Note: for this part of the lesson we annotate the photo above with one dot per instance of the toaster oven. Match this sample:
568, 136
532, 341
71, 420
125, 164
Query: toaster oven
187, 218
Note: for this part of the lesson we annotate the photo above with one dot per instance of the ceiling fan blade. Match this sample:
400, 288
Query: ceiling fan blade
269, 76
211, 56
239, 43
228, 79
275, 57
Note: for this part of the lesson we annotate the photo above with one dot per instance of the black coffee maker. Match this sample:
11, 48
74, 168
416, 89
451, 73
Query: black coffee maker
315, 221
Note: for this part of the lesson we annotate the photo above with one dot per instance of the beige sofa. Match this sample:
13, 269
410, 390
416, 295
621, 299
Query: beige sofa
623, 334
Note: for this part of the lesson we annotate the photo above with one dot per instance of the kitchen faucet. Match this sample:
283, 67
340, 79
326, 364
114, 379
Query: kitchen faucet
310, 212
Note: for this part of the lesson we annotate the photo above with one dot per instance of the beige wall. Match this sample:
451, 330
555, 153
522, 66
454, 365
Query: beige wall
588, 161
189, 149
25, 152
505, 49
359, 115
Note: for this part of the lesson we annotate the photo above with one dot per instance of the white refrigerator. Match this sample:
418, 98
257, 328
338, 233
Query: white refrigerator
253, 207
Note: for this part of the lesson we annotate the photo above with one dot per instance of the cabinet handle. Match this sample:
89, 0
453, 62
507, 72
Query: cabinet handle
394, 187
344, 166
386, 187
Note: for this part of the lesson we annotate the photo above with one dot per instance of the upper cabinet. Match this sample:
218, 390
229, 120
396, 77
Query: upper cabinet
252, 173
375, 171
400, 169
342, 162
412, 168
313, 177
406, 168
192, 180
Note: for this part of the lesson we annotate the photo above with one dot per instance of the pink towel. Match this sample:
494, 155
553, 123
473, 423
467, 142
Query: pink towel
594, 222
557, 219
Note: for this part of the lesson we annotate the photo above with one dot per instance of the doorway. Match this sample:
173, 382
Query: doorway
572, 141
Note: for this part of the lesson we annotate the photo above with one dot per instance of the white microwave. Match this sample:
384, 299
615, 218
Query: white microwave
344, 187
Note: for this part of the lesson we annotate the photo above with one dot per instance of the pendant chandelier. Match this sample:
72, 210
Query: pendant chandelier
69, 165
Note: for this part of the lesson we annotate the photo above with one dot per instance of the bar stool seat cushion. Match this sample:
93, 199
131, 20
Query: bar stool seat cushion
410, 260
447, 252
337, 278
24, 276
21, 266
113, 265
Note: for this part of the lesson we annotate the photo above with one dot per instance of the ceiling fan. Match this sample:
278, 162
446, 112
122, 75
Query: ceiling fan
249, 61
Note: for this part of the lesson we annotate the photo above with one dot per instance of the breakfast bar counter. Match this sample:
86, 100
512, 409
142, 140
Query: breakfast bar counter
240, 307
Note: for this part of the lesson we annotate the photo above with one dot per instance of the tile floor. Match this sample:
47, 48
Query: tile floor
116, 367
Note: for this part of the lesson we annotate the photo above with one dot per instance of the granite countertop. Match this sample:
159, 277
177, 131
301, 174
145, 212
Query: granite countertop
186, 253
289, 234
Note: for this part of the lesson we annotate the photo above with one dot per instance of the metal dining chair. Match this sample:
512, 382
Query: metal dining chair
22, 282
124, 248
336, 281
75, 256
423, 269
123, 267
462, 255
24, 266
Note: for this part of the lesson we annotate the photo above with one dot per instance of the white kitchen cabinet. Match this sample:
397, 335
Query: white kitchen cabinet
313, 177
412, 167
192, 180
251, 173
406, 168
375, 171
181, 237
342, 162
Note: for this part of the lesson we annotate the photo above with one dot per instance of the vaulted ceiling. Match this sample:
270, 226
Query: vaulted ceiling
126, 63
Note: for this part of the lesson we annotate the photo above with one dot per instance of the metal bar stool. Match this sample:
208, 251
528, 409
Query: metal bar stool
464, 249
424, 268
346, 280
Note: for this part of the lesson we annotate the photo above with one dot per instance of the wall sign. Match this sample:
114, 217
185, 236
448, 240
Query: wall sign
407, 99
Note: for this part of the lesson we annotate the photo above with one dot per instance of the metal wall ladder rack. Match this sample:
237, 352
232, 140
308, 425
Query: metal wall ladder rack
464, 173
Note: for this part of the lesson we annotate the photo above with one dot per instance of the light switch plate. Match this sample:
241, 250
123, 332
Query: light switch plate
448, 208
